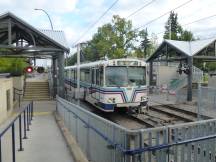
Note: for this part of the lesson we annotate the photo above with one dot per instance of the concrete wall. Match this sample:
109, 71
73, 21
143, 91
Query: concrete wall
165, 74
18, 82
5, 84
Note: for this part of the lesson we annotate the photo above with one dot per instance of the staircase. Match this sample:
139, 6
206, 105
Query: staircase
37, 91
177, 84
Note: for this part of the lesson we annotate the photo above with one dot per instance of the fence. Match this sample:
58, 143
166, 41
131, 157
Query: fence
24, 120
207, 101
102, 140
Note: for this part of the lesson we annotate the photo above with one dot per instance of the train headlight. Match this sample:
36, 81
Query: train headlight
143, 98
111, 100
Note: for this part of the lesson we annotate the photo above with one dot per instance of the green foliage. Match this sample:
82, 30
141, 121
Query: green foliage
146, 47
177, 32
205, 66
114, 40
15, 66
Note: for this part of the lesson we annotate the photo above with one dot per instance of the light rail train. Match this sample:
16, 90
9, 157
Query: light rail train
110, 84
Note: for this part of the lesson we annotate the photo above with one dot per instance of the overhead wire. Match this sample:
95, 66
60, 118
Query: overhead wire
93, 24
195, 21
141, 8
155, 19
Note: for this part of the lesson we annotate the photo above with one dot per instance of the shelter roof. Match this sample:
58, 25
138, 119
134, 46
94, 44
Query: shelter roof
188, 48
36, 37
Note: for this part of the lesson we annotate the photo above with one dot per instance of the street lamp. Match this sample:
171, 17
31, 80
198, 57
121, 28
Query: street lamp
47, 16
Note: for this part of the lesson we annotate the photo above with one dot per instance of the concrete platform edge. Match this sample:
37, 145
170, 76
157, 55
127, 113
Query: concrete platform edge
73, 146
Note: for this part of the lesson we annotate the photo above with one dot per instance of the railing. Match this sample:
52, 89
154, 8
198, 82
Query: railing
103, 140
24, 121
206, 101
17, 94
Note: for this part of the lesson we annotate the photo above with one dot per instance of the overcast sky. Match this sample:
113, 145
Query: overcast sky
74, 16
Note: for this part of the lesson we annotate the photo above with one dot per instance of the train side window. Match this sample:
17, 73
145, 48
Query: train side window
93, 76
75, 74
65, 74
101, 76
82, 74
72, 74
87, 75
97, 77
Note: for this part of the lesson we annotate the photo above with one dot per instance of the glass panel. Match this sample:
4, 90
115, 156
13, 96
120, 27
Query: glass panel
116, 76
125, 76
136, 76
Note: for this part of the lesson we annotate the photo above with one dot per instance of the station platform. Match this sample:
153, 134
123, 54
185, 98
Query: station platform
45, 141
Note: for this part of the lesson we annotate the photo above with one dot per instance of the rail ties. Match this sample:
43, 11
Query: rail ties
148, 123
184, 115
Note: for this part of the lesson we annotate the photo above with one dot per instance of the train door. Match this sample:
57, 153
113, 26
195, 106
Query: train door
93, 82
97, 74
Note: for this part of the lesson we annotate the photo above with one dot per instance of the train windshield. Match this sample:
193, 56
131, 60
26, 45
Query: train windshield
125, 76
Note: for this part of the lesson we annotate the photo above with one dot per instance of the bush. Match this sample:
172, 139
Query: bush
14, 66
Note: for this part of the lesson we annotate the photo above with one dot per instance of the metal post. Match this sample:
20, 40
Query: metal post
19, 100
32, 110
29, 114
24, 121
199, 101
78, 74
0, 151
27, 118
190, 78
13, 94
13, 144
150, 75
20, 132
9, 32
54, 75
61, 74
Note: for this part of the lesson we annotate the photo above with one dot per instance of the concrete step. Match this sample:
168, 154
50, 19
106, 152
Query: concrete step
37, 95
36, 99
29, 86
37, 90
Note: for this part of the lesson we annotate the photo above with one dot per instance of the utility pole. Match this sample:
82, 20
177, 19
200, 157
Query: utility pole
170, 29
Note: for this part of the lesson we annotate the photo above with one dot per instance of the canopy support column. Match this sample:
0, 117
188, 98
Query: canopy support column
61, 75
190, 78
150, 75
54, 76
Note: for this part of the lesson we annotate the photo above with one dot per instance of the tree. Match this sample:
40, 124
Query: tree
172, 27
114, 40
174, 31
145, 43
186, 36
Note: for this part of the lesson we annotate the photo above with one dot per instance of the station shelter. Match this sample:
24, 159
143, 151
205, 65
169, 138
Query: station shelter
185, 53
20, 39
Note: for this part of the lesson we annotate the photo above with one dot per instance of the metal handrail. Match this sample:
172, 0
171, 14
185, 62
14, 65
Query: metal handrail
27, 114
18, 92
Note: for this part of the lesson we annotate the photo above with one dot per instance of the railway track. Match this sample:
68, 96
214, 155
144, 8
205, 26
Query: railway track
155, 116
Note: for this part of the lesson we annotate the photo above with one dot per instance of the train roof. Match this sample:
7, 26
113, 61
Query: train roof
108, 63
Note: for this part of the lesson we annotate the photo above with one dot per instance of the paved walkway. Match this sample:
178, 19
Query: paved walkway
45, 142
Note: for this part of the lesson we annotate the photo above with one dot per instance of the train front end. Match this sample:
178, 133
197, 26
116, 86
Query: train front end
125, 85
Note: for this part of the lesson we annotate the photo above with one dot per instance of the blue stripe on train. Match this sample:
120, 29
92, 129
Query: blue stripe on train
106, 106
103, 90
